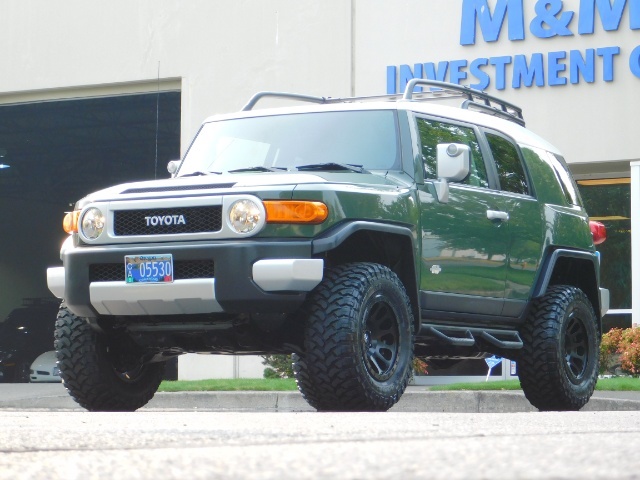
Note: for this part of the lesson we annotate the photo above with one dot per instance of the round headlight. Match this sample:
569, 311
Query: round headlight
92, 223
244, 216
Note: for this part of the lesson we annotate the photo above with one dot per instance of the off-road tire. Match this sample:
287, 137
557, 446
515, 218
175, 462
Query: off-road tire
88, 372
304, 381
558, 364
358, 340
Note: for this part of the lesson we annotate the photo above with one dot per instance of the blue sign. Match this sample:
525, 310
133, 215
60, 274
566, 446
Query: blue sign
550, 20
554, 68
493, 361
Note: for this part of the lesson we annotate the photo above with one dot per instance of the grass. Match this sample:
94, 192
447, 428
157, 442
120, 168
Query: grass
288, 384
606, 384
493, 385
238, 384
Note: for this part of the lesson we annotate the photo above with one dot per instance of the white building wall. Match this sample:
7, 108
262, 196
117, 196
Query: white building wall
222, 51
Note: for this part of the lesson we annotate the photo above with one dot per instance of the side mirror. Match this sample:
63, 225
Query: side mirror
172, 167
453, 165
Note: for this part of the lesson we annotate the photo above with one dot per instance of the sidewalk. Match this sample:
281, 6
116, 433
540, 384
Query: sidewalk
415, 399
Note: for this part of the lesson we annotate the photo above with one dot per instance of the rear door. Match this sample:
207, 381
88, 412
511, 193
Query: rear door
525, 221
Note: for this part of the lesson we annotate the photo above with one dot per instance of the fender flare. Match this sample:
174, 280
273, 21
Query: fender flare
548, 265
335, 236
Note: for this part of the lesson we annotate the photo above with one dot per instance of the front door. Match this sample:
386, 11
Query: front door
465, 240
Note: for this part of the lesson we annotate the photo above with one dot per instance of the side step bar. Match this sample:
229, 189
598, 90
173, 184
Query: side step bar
467, 336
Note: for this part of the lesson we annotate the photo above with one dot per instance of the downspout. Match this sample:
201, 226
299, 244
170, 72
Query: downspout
353, 48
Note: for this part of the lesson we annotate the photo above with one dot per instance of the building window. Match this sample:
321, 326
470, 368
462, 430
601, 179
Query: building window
609, 201
54, 153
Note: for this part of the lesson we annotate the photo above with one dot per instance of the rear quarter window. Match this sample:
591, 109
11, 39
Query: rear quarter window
510, 170
545, 177
567, 182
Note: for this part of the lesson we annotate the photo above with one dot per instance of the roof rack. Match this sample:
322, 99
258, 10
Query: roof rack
504, 109
296, 96
475, 99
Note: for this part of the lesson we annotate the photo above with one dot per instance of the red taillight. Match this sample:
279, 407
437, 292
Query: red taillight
598, 231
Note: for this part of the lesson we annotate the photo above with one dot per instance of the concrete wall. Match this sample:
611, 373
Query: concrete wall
198, 367
221, 51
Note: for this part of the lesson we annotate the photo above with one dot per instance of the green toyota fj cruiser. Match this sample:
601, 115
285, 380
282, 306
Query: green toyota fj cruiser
354, 233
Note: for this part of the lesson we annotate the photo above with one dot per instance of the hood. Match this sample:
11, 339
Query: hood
239, 182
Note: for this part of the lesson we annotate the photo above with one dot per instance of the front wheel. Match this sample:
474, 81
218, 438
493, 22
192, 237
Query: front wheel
558, 365
98, 376
358, 340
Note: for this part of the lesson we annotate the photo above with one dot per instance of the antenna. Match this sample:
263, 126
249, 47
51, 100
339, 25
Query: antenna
155, 168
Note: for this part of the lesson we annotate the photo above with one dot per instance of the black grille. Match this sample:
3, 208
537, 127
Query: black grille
163, 221
182, 270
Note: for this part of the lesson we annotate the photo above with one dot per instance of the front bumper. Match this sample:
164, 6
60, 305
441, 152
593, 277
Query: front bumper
250, 277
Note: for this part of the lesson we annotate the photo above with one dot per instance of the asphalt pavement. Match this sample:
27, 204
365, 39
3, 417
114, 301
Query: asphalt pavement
415, 399
72, 445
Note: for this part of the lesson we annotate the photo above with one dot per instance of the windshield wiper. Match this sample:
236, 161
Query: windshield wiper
333, 166
197, 174
257, 168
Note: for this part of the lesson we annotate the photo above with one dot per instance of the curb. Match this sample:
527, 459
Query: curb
411, 401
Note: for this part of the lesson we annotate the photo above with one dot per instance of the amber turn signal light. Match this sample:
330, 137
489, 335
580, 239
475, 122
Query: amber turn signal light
70, 222
295, 211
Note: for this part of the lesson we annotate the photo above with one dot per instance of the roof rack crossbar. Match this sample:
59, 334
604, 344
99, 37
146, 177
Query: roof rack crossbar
491, 110
504, 109
311, 99
292, 96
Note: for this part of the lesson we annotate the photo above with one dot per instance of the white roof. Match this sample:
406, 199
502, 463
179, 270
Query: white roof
520, 134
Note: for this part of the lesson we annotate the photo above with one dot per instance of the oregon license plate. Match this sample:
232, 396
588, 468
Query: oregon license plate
148, 268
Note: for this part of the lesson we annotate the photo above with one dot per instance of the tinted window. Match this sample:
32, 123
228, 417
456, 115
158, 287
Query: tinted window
566, 180
432, 133
510, 170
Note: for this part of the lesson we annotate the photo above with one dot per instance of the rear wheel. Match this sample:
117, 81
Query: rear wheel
22, 372
358, 340
98, 376
558, 366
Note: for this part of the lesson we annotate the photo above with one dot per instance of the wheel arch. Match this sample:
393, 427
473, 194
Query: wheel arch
570, 267
393, 246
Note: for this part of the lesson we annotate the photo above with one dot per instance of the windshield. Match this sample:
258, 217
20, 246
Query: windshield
367, 139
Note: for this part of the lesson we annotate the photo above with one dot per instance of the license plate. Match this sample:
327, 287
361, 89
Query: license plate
148, 268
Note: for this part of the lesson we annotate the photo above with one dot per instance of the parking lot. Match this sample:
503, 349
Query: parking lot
235, 444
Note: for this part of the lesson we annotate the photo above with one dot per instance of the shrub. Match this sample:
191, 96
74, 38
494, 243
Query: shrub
621, 346
281, 366
609, 350
630, 351
278, 366
419, 366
